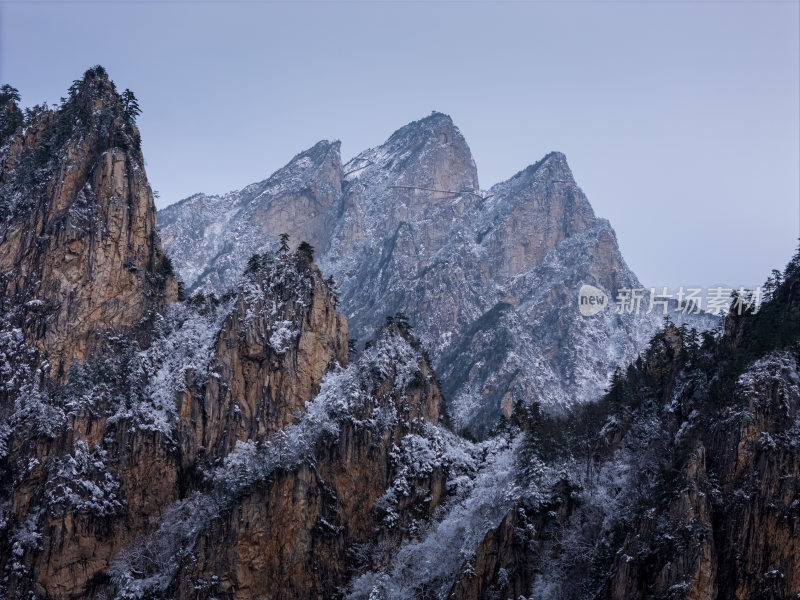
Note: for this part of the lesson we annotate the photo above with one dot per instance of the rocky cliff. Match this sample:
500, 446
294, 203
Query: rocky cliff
681, 483
237, 434
213, 237
489, 278
237, 447
215, 446
79, 252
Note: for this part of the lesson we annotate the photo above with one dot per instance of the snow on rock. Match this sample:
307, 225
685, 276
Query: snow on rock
368, 394
489, 279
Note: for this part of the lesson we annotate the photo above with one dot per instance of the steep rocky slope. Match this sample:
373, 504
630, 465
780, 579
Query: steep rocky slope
236, 448
79, 251
489, 279
210, 447
236, 435
213, 237
681, 483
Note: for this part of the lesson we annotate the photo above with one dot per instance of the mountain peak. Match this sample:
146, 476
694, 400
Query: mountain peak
84, 244
96, 77
439, 118
93, 91
420, 154
317, 153
553, 167
302, 168
436, 126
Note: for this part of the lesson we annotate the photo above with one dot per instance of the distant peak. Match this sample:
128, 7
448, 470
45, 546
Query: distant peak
438, 116
418, 151
555, 157
317, 153
435, 130
95, 83
435, 124
552, 166
324, 154
325, 144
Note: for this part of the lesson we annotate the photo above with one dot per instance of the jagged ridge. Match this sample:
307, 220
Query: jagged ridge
412, 232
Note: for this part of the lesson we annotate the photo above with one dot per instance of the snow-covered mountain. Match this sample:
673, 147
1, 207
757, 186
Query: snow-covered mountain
489, 279
212, 237
153, 448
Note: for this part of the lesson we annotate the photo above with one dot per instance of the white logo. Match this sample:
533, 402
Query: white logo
591, 300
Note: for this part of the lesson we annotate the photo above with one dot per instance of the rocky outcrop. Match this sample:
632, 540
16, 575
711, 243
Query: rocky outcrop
114, 401
501, 566
213, 237
726, 526
267, 369
730, 530
297, 535
79, 251
129, 434
689, 484
219, 444
488, 278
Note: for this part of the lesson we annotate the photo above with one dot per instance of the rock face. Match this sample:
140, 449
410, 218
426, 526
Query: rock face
689, 484
258, 386
293, 535
79, 250
489, 279
237, 448
221, 447
729, 531
213, 237
235, 453
131, 434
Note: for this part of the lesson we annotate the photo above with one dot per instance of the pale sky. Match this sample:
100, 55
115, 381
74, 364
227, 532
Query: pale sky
680, 120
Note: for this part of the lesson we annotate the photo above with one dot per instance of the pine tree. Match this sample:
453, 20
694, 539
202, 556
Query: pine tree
402, 321
334, 290
528, 462
198, 299
683, 354
306, 250
692, 343
11, 116
9, 93
284, 238
772, 283
253, 264
615, 396
130, 105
